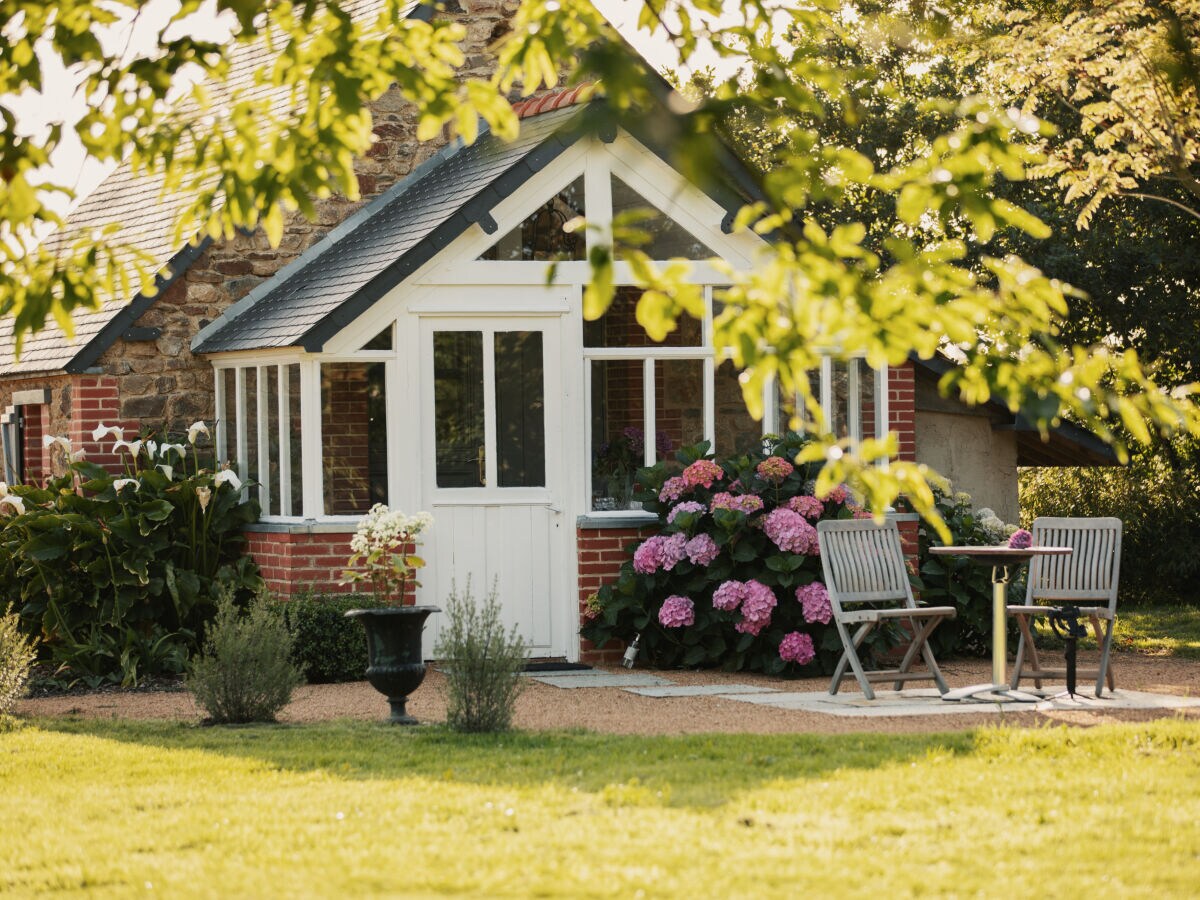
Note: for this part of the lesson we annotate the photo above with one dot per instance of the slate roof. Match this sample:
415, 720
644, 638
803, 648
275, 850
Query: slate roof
137, 204
376, 248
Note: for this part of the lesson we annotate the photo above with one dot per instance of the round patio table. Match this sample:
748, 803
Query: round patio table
1003, 559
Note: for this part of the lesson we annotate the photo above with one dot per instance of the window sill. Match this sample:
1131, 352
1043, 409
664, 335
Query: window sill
628, 519
306, 526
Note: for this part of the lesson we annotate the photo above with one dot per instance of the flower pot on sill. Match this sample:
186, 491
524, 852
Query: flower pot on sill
395, 664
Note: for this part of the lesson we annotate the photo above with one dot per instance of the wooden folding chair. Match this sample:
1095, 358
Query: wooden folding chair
864, 569
1089, 574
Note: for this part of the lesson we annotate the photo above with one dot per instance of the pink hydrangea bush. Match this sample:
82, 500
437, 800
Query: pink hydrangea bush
705, 589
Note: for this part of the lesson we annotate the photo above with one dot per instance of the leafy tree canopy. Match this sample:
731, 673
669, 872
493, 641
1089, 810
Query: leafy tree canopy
934, 279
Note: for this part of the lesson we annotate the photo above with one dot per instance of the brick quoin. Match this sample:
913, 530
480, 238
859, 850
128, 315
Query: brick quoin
902, 409
95, 401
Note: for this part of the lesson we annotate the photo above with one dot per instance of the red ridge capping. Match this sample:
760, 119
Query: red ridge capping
534, 106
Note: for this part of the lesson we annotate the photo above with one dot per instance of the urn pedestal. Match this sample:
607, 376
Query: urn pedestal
396, 666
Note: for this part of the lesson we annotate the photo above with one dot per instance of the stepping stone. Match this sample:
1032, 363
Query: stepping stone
599, 680
700, 690
558, 673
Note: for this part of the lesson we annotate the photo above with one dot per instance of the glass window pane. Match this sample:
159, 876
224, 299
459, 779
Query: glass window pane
617, 434
296, 442
737, 432
272, 466
541, 236
381, 341
619, 327
458, 408
679, 407
353, 437
866, 399
520, 409
251, 472
839, 423
664, 238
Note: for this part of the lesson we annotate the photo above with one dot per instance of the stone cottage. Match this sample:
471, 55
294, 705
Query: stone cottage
409, 350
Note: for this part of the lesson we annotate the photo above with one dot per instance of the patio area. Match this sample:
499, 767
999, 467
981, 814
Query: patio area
722, 702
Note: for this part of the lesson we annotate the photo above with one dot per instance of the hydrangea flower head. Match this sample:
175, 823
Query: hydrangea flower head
672, 490
1020, 540
790, 531
687, 506
814, 599
676, 612
673, 550
807, 505
648, 557
702, 550
746, 503
728, 596
774, 469
702, 473
758, 601
837, 495
797, 647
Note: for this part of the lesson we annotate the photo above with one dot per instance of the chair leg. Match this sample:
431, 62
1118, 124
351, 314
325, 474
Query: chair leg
850, 655
1105, 643
919, 643
931, 663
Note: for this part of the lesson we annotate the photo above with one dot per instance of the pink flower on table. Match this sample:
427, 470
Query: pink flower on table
797, 647
702, 473
746, 503
1020, 539
687, 506
808, 506
774, 468
673, 550
789, 530
648, 558
702, 550
758, 601
672, 490
676, 612
814, 599
728, 596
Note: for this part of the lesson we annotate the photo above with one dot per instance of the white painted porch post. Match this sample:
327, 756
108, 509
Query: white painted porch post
312, 486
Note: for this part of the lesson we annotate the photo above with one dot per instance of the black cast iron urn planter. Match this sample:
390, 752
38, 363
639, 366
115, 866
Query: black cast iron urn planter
395, 665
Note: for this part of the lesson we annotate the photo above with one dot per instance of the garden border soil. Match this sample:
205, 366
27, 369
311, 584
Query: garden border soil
615, 711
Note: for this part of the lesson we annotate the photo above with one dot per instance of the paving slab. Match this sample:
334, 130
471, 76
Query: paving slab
927, 702
700, 690
599, 680
559, 673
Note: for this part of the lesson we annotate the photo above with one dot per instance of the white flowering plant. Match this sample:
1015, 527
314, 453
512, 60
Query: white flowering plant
383, 552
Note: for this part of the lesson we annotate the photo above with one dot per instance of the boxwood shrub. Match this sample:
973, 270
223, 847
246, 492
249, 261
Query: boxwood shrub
326, 646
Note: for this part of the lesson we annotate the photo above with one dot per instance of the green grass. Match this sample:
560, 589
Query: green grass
1152, 630
361, 809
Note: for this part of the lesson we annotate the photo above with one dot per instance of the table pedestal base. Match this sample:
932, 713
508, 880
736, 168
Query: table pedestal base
990, 693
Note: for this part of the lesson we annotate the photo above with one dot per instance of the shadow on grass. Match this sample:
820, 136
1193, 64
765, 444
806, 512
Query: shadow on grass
692, 770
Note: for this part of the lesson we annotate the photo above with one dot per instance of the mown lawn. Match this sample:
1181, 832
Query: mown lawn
363, 809
1153, 630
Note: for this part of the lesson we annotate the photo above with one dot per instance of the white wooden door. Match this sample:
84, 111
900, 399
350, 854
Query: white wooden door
492, 470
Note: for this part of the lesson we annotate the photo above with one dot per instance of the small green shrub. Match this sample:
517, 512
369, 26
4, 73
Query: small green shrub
246, 672
326, 646
483, 663
16, 659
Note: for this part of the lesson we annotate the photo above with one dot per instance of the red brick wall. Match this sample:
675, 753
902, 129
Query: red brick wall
95, 401
36, 456
294, 563
601, 552
902, 409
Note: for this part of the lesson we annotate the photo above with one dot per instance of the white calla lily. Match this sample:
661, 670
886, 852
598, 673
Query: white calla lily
134, 447
101, 430
122, 483
204, 495
181, 449
228, 475
13, 502
151, 449
50, 440
195, 430
169, 471
3, 490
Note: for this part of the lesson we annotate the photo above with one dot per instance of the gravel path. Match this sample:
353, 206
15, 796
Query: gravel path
615, 711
